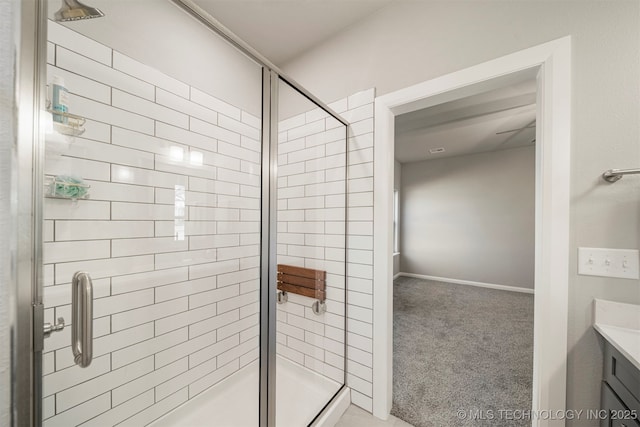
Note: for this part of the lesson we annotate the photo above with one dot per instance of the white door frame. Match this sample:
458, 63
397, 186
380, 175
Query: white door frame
552, 63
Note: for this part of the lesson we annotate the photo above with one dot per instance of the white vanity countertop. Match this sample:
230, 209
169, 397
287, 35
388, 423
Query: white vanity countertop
619, 323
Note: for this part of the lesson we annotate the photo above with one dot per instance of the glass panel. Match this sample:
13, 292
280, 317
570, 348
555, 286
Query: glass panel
311, 236
153, 162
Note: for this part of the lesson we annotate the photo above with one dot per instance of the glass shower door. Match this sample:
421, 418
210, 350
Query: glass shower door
151, 222
311, 252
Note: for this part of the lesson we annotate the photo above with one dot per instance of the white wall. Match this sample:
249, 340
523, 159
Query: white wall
471, 217
161, 35
412, 41
8, 9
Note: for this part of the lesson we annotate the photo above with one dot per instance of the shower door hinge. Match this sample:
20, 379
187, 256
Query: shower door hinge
38, 327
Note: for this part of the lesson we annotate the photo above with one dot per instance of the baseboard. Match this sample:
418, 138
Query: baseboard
468, 282
396, 276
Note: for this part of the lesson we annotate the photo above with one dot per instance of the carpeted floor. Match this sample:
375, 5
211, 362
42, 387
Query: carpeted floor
462, 355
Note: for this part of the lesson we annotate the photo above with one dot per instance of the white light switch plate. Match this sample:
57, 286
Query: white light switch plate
623, 263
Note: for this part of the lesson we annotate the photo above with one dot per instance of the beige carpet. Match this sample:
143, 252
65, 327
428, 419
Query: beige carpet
462, 355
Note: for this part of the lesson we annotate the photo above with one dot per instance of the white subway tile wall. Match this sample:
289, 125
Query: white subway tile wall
358, 110
170, 235
314, 219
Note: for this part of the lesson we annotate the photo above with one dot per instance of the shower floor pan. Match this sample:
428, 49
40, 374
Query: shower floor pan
300, 394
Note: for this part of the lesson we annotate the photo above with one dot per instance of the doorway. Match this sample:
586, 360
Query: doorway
463, 283
550, 63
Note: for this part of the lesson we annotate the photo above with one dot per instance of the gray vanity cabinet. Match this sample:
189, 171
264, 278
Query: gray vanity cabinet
620, 390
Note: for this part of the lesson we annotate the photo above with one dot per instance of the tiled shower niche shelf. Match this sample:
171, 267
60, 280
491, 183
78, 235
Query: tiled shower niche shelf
51, 185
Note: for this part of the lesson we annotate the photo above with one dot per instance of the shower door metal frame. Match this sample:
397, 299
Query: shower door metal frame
27, 340
26, 292
267, 413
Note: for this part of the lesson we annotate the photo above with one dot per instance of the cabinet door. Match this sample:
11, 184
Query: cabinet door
623, 377
618, 414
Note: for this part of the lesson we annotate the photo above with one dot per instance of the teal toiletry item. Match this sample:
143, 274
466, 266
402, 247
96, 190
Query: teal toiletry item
59, 100
70, 187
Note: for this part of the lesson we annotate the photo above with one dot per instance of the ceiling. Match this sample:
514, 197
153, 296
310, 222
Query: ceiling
283, 29
469, 125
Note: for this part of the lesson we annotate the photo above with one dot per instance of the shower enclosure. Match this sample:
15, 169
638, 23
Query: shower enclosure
188, 228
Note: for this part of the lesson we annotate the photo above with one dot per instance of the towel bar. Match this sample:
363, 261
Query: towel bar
613, 175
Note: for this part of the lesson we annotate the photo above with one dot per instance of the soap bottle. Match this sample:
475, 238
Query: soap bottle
59, 100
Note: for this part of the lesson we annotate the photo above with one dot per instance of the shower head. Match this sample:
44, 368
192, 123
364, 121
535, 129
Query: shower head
73, 10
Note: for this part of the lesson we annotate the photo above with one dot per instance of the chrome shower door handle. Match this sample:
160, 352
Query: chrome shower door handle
82, 319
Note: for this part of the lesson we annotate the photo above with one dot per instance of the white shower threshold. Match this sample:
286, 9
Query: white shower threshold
300, 395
